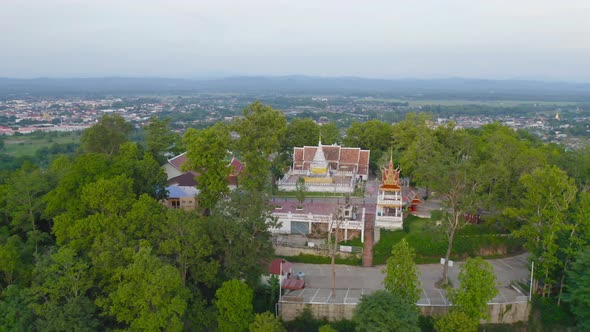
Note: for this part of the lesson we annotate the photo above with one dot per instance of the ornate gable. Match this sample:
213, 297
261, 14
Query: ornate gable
390, 177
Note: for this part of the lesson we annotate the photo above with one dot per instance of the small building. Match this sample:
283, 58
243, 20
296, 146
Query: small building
319, 218
181, 197
390, 203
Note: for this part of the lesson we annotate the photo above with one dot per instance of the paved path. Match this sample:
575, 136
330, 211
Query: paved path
353, 281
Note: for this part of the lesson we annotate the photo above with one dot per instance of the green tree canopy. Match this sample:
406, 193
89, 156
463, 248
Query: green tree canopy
300, 132
260, 133
237, 226
149, 295
234, 304
456, 321
401, 274
267, 322
159, 138
207, 152
578, 289
477, 286
385, 311
107, 135
330, 133
543, 211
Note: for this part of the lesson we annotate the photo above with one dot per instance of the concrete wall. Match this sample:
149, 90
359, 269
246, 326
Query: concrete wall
331, 311
291, 251
505, 313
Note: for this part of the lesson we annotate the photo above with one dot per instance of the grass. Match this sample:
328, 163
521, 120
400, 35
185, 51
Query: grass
430, 242
20, 146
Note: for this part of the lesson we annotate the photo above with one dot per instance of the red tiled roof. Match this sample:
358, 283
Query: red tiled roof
185, 179
349, 155
309, 153
331, 152
335, 155
178, 161
237, 166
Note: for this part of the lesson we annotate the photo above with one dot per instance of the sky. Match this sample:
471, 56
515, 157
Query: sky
496, 39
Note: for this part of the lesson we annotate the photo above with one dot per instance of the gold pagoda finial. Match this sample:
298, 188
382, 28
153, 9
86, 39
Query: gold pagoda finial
391, 155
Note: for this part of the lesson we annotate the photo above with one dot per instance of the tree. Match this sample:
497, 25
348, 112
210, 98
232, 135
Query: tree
234, 303
477, 286
543, 211
401, 274
207, 152
372, 135
385, 311
260, 133
61, 284
456, 321
184, 240
24, 200
159, 138
326, 328
504, 157
15, 306
239, 230
443, 160
267, 322
300, 132
148, 294
578, 289
300, 190
107, 135
330, 133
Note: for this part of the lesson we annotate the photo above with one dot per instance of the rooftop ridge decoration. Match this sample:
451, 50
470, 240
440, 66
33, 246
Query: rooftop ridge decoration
390, 176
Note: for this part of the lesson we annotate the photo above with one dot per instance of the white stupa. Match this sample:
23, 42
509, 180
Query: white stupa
319, 165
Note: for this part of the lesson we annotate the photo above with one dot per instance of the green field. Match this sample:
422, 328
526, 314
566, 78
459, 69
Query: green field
20, 146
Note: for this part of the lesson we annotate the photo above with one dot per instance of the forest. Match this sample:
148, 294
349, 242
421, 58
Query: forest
86, 245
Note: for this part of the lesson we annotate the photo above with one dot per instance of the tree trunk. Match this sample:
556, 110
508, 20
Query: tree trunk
334, 246
445, 277
561, 282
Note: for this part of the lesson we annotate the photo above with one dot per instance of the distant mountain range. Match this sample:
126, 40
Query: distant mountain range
451, 88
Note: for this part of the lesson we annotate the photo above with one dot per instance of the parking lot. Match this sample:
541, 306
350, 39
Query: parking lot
353, 281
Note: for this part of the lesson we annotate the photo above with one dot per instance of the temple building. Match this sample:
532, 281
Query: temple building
389, 201
327, 168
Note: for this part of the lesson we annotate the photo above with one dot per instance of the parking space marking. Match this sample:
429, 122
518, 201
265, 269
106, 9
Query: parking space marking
506, 264
313, 297
442, 296
346, 296
427, 298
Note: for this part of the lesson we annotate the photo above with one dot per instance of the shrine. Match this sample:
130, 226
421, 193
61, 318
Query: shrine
327, 168
389, 201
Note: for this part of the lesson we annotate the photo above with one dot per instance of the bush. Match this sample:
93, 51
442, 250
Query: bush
551, 316
316, 259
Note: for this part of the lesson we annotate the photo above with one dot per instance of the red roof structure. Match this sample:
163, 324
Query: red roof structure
293, 284
275, 266
338, 158
178, 161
